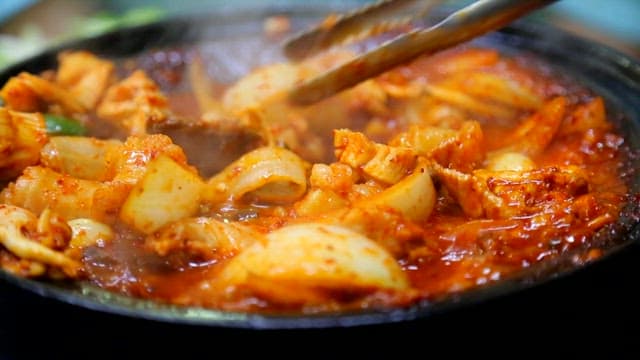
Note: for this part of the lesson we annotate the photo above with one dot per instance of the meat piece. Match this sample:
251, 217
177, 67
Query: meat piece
472, 194
85, 76
387, 164
461, 149
504, 194
30, 93
134, 103
337, 177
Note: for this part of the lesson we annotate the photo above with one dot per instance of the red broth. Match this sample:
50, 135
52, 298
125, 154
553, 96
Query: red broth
449, 251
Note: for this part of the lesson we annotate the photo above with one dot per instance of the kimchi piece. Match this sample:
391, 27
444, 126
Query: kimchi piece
457, 170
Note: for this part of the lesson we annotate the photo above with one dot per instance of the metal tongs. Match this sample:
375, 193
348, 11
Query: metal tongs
473, 20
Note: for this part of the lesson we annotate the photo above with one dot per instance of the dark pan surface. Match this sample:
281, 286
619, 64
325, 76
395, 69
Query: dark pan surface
606, 72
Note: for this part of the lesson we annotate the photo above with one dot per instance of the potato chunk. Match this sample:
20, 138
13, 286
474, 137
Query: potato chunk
167, 192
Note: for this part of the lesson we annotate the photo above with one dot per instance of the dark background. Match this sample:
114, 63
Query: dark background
593, 311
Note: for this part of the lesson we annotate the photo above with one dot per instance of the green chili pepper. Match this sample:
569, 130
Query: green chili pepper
60, 125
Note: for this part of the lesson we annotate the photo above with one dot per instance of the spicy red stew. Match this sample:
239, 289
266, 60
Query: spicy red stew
157, 181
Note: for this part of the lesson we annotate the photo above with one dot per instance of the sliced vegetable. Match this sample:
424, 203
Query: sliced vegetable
60, 125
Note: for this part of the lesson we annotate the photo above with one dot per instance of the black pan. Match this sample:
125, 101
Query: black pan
609, 73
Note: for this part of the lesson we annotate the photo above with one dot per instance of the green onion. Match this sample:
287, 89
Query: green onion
60, 125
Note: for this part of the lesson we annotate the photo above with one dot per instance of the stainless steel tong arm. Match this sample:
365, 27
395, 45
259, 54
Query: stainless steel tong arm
465, 24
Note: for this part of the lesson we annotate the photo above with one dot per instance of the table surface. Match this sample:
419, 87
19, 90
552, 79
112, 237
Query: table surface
597, 308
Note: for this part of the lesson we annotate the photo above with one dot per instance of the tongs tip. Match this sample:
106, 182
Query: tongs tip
338, 29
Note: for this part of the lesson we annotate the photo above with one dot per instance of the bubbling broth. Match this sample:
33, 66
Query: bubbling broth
186, 177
